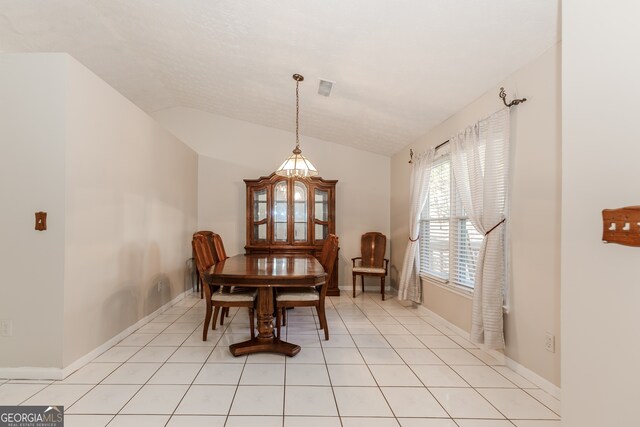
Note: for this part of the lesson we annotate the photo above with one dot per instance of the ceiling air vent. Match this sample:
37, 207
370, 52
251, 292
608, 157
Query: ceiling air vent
325, 86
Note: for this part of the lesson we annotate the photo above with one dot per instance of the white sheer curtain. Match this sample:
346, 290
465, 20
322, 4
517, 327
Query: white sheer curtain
480, 160
409, 287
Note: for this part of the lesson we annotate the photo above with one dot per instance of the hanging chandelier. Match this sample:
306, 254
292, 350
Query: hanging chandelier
297, 165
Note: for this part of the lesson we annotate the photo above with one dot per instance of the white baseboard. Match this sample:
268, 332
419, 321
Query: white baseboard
35, 373
388, 290
525, 372
528, 374
31, 373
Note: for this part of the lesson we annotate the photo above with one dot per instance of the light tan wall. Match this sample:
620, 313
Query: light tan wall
600, 169
131, 190
232, 150
31, 180
534, 218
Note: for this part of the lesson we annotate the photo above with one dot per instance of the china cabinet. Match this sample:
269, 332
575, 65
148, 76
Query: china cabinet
291, 215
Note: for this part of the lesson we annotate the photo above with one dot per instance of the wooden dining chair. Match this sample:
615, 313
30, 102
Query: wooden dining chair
310, 297
218, 247
324, 254
373, 246
220, 255
209, 236
223, 297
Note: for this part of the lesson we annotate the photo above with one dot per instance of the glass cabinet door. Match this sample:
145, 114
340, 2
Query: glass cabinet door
300, 212
260, 215
280, 212
321, 214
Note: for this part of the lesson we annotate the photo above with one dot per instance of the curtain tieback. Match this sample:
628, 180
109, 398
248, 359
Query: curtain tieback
414, 240
494, 227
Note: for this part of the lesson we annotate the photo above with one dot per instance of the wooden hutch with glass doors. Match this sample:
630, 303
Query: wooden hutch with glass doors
291, 215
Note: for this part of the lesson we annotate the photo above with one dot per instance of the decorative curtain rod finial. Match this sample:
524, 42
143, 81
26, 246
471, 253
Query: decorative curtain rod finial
516, 101
502, 95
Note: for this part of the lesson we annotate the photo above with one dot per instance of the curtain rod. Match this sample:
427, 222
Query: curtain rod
441, 145
437, 146
502, 95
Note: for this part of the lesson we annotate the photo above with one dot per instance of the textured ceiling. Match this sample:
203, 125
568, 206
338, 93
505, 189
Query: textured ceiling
400, 67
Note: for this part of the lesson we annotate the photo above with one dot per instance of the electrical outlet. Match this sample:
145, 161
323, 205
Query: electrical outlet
159, 286
6, 328
550, 342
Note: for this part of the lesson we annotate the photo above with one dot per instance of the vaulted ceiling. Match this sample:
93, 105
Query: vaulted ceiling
400, 67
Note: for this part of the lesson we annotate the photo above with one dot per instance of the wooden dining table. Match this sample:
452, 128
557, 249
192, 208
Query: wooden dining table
265, 272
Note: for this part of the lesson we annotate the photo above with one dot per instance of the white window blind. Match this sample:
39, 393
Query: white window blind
434, 224
449, 243
467, 241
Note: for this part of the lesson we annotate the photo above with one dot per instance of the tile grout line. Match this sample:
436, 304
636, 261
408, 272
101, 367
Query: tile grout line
113, 416
155, 372
284, 384
540, 401
439, 358
409, 367
366, 308
464, 379
326, 365
367, 364
199, 370
235, 393
162, 364
452, 367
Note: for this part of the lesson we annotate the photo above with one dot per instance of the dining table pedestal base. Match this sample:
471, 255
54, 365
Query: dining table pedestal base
266, 341
268, 346
266, 272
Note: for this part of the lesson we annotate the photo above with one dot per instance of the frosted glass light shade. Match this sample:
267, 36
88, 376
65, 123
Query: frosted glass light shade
297, 166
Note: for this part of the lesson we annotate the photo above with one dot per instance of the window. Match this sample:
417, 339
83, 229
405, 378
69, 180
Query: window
449, 243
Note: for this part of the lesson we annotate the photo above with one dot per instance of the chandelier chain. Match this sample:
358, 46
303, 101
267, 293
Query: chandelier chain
297, 113
296, 165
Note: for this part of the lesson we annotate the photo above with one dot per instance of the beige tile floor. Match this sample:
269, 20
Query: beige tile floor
385, 365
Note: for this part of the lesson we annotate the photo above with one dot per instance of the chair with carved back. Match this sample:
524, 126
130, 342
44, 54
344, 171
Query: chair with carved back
209, 236
218, 247
221, 255
324, 254
223, 297
322, 258
309, 297
373, 246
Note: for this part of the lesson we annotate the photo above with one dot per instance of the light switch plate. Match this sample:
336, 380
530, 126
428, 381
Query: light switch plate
6, 328
621, 226
550, 342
